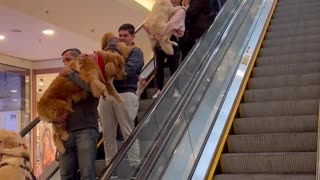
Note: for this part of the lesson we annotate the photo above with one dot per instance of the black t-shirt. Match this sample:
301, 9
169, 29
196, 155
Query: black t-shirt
84, 115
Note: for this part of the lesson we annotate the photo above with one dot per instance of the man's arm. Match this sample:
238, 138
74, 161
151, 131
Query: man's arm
135, 61
74, 77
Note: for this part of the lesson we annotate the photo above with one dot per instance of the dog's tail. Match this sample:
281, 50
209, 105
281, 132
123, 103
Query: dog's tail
51, 109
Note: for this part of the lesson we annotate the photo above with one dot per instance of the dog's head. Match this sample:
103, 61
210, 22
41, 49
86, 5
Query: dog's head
110, 40
10, 140
114, 65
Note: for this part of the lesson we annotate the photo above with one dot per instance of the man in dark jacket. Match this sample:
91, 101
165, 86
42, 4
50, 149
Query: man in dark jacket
82, 126
200, 15
112, 112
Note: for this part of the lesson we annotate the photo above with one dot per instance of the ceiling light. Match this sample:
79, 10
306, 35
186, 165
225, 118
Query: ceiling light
13, 90
41, 83
2, 37
48, 32
14, 100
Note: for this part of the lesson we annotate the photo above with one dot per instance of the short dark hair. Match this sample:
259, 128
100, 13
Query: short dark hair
127, 27
74, 51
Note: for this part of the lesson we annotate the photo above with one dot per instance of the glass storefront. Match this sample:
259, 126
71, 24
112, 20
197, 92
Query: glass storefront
45, 148
14, 97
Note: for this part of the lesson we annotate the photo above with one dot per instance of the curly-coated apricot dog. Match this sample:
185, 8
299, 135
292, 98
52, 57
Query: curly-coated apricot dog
62, 92
14, 157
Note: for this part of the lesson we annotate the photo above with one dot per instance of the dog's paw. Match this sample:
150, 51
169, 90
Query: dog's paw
105, 94
174, 43
64, 136
97, 88
61, 149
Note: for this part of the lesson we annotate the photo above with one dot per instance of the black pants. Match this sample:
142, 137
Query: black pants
185, 47
172, 61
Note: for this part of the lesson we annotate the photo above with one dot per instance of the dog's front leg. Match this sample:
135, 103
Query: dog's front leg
113, 92
98, 88
58, 142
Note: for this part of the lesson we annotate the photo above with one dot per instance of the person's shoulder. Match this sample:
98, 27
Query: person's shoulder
136, 49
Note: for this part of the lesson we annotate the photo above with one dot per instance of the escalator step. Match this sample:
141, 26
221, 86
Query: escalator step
285, 142
297, 18
288, 59
282, 163
299, 25
278, 70
297, 40
293, 32
265, 177
279, 108
284, 5
276, 124
303, 10
282, 94
293, 48
284, 81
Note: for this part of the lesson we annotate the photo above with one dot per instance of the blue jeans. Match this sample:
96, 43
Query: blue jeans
80, 154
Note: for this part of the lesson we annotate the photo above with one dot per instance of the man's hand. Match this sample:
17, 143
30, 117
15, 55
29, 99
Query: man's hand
65, 71
62, 119
84, 56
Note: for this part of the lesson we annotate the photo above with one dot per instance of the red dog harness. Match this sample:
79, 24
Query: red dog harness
101, 65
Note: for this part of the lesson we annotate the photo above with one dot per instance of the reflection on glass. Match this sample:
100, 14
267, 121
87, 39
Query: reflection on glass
210, 92
44, 146
14, 98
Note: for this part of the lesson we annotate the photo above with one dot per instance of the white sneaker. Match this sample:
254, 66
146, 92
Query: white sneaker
176, 93
156, 94
114, 175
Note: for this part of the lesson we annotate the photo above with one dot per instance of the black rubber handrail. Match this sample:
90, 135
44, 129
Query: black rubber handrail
30, 126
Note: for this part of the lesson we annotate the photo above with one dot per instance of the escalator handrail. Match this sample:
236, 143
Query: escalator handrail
174, 125
29, 127
131, 139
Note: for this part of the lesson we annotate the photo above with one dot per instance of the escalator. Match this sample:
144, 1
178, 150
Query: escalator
249, 110
249, 101
274, 135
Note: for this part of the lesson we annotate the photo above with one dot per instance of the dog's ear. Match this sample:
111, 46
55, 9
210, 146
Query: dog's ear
110, 69
104, 41
105, 38
12, 140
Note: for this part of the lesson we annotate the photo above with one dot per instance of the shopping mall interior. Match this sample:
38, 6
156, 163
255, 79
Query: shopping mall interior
243, 104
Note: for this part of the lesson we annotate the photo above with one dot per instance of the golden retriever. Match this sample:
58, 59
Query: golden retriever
14, 157
111, 43
62, 92
155, 23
